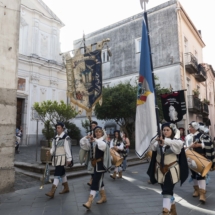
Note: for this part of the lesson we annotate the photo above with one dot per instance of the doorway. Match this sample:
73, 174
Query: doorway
19, 108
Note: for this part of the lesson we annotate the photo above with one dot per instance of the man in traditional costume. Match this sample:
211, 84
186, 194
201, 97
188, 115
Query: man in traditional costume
199, 182
168, 164
209, 146
93, 125
100, 163
61, 157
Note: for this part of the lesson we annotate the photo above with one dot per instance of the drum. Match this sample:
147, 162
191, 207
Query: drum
198, 163
149, 154
116, 158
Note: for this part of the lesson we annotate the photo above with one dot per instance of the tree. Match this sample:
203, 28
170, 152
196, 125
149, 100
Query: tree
86, 125
73, 131
48, 131
160, 90
119, 104
54, 111
51, 112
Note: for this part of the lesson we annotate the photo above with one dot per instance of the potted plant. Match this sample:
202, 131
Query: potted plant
196, 93
207, 102
51, 112
49, 133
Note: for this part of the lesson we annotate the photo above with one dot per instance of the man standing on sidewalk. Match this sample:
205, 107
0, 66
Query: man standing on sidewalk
61, 156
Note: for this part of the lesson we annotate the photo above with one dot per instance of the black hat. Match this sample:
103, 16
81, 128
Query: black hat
60, 124
94, 122
170, 125
97, 127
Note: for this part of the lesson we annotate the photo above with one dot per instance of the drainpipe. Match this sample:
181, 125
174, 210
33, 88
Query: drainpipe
178, 9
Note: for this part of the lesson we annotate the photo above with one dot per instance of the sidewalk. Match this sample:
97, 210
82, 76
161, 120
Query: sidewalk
29, 176
130, 195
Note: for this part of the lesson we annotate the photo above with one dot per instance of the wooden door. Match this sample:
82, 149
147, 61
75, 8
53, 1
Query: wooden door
19, 112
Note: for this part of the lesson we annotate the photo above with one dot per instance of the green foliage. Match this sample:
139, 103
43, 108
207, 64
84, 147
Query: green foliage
160, 90
48, 131
54, 111
86, 125
51, 112
73, 131
119, 104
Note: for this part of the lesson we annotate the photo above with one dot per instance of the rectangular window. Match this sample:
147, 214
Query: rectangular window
138, 45
185, 45
105, 56
21, 84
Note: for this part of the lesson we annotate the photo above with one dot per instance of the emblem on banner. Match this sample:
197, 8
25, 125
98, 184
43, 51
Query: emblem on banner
174, 106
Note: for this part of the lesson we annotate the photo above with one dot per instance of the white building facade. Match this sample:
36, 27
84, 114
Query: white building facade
41, 72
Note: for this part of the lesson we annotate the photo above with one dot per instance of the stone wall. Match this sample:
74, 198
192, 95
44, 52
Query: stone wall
124, 44
9, 37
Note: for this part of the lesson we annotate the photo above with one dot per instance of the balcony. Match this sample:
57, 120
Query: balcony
205, 109
191, 63
201, 75
194, 104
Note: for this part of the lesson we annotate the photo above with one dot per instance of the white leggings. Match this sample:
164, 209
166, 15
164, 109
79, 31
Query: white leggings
118, 169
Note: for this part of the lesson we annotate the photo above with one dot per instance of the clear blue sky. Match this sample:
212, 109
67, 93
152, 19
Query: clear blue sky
91, 15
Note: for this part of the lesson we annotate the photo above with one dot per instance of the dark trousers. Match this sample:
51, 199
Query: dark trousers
167, 187
59, 171
196, 176
97, 180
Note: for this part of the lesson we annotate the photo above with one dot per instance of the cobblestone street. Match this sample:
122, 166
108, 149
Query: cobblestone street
130, 195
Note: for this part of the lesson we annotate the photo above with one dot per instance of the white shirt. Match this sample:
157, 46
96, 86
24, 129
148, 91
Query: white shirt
66, 147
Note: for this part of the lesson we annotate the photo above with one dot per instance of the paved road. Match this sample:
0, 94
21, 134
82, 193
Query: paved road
27, 154
130, 195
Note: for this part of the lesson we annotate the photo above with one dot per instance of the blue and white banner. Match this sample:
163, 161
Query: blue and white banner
146, 126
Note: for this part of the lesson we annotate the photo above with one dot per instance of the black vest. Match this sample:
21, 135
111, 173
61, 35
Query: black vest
197, 139
99, 154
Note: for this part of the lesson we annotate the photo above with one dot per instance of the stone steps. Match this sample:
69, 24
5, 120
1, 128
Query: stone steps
36, 170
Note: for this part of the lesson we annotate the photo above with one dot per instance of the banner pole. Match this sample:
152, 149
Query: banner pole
156, 105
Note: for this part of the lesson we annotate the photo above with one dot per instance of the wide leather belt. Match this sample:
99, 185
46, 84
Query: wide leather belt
165, 168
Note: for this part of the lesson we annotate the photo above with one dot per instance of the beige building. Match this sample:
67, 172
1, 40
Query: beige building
41, 71
194, 75
177, 57
9, 37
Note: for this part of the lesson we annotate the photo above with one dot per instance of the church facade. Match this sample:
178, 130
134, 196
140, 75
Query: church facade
41, 71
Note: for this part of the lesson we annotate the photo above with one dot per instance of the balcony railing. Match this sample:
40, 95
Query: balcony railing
205, 109
191, 63
201, 75
194, 104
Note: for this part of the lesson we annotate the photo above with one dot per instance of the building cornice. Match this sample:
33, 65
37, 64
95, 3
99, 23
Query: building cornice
41, 62
191, 25
58, 21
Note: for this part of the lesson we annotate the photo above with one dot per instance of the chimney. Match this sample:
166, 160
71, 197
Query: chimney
200, 32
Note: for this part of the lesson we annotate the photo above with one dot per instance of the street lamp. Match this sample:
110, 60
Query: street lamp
35, 116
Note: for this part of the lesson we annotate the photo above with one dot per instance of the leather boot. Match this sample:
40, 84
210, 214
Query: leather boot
202, 197
90, 182
52, 191
89, 202
166, 212
65, 188
196, 191
173, 210
120, 175
113, 175
103, 197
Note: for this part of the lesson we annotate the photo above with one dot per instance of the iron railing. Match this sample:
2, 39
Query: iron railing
194, 104
190, 59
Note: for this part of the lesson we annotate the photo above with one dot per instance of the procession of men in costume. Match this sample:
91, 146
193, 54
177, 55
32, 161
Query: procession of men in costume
168, 164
